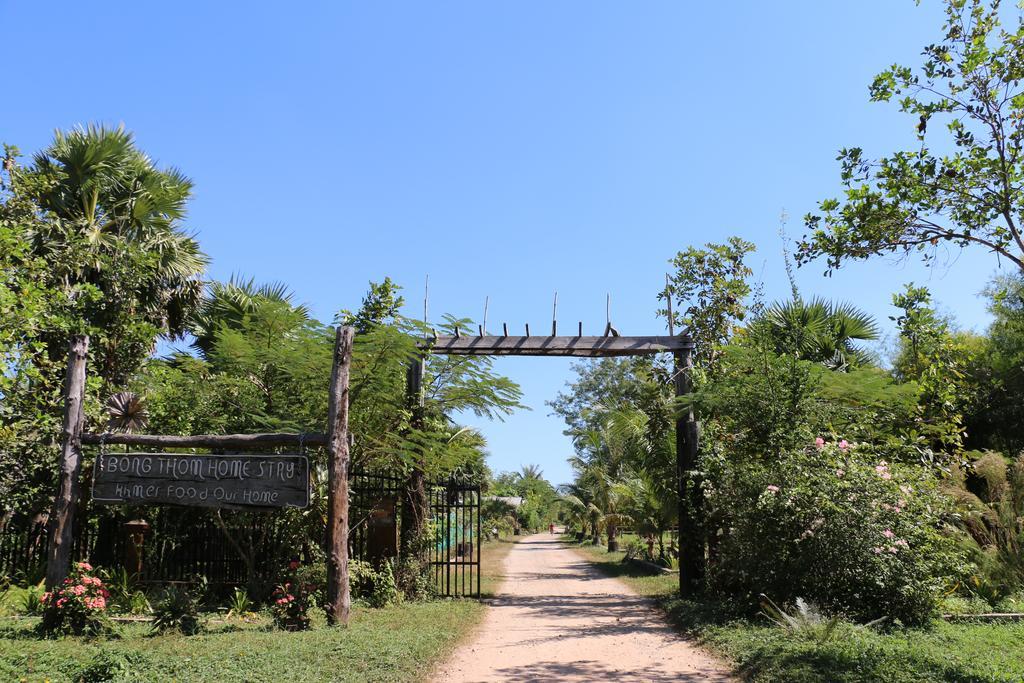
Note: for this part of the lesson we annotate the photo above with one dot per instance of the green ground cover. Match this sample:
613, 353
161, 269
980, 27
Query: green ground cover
398, 643
964, 652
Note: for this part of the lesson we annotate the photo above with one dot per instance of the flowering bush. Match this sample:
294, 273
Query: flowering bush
290, 607
834, 525
78, 605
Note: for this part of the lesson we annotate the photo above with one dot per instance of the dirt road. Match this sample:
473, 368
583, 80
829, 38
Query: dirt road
559, 619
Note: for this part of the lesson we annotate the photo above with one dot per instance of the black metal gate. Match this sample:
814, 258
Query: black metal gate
453, 527
455, 530
184, 543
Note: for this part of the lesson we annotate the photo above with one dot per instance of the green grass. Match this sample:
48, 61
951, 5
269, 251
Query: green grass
964, 652
399, 643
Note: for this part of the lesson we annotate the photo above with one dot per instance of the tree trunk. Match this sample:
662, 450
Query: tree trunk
62, 519
613, 538
414, 497
339, 599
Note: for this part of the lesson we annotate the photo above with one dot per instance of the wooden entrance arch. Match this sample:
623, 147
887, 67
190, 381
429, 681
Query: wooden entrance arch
691, 561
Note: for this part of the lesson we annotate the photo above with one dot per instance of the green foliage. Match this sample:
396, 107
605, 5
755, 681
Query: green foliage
92, 242
78, 605
178, 610
540, 501
836, 526
819, 331
598, 385
381, 306
376, 586
290, 602
109, 666
938, 360
996, 408
805, 621
990, 496
765, 653
709, 289
917, 200
240, 604
125, 593
32, 601
401, 643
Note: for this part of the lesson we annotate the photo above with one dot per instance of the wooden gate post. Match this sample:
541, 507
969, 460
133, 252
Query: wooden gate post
339, 600
691, 559
62, 518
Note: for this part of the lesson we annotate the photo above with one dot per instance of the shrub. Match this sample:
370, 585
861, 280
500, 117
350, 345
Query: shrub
380, 587
125, 595
240, 605
179, 610
78, 606
385, 588
32, 600
837, 527
314, 577
290, 607
990, 498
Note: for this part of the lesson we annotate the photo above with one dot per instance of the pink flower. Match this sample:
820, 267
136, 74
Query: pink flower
294, 564
85, 566
906, 490
886, 476
772, 488
876, 550
840, 472
78, 590
892, 549
46, 597
61, 602
844, 445
888, 533
281, 601
819, 443
903, 542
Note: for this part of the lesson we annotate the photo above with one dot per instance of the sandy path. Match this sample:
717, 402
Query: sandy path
559, 619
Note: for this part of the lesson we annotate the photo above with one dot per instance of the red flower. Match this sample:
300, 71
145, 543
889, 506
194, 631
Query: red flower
294, 564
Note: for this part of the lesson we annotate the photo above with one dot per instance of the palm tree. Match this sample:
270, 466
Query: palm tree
104, 189
115, 227
600, 468
582, 510
227, 304
820, 331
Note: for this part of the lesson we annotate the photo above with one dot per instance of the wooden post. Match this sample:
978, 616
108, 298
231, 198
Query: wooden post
414, 499
62, 518
339, 600
691, 557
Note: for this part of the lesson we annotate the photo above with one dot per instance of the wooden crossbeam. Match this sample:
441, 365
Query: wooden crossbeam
585, 347
207, 440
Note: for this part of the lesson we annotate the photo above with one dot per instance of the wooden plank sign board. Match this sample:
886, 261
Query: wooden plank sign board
213, 481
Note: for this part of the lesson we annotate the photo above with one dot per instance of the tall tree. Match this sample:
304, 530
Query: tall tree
964, 190
709, 291
107, 225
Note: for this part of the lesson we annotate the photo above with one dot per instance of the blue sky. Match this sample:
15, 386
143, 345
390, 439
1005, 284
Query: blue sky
508, 150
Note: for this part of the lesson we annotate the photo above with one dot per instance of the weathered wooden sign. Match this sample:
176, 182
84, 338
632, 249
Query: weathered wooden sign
214, 481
